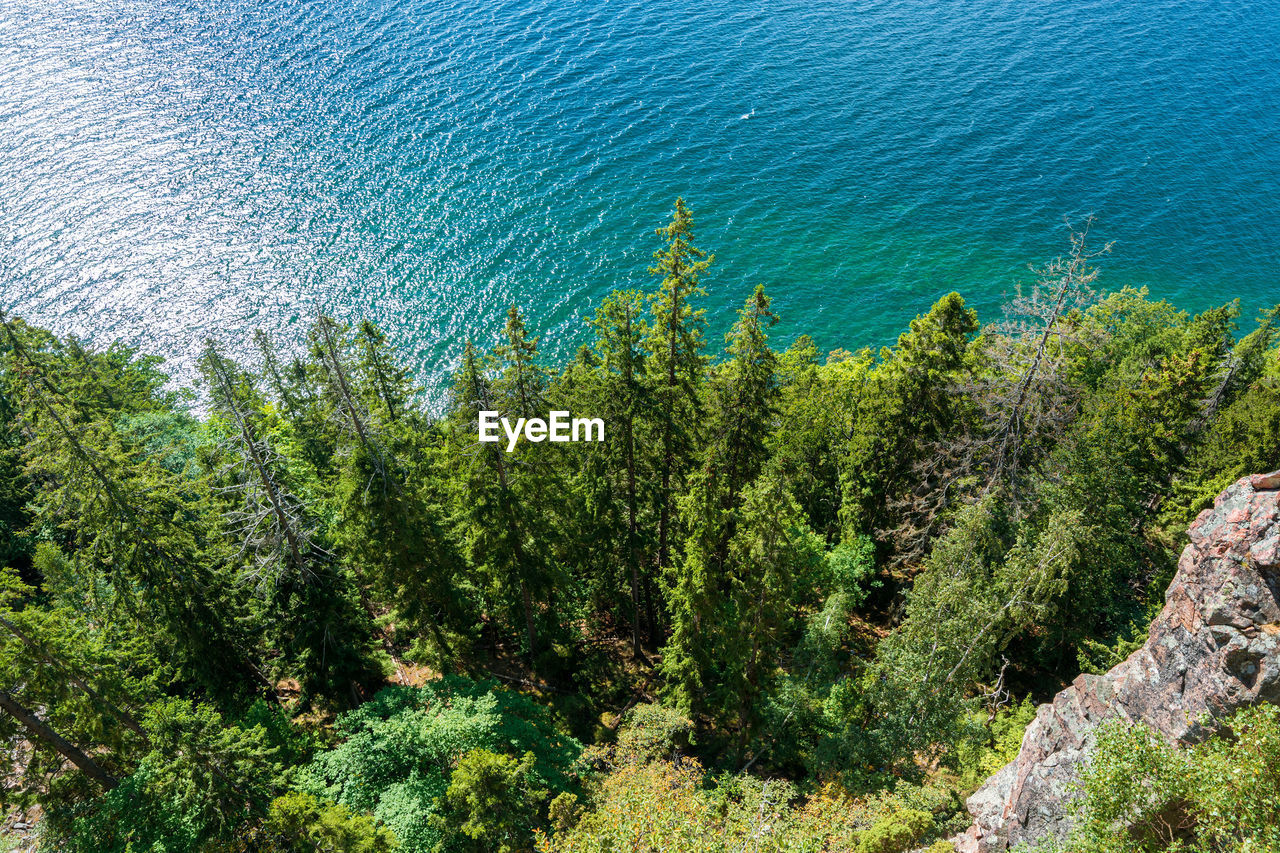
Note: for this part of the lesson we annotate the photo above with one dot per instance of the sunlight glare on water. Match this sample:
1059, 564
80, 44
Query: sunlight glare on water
175, 170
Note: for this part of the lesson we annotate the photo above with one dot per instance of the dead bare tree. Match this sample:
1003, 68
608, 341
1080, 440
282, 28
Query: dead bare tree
1028, 401
1012, 407
270, 522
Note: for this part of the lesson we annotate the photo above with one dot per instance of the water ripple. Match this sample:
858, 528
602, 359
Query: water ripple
175, 169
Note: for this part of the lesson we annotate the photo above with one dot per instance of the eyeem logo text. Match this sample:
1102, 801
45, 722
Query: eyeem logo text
559, 427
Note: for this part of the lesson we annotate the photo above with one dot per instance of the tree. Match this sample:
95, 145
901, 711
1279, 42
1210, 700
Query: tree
1030, 399
309, 611
500, 495
142, 533
815, 405
386, 493
625, 404
677, 364
455, 761
386, 386
907, 406
773, 555
743, 394
493, 803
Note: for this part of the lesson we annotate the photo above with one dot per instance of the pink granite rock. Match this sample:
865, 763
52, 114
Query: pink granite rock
1215, 647
1266, 482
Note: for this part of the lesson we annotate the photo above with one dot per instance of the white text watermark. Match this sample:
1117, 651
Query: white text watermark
559, 426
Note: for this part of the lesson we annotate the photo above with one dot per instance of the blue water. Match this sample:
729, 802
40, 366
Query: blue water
172, 170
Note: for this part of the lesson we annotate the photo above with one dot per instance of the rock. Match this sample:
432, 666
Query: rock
1265, 482
1214, 648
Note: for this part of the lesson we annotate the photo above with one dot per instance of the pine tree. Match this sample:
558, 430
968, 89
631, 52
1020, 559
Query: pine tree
590, 513
504, 500
744, 399
625, 401
743, 404
141, 533
310, 614
331, 363
910, 405
772, 554
390, 517
676, 365
387, 388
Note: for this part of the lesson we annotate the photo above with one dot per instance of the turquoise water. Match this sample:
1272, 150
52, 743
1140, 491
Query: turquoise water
171, 170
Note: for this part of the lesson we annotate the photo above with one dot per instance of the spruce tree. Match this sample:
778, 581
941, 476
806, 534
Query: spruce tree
743, 403
504, 500
390, 517
141, 534
309, 612
676, 366
744, 399
625, 401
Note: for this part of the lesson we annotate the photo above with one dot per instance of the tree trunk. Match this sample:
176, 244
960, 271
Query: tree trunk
38, 729
529, 627
633, 557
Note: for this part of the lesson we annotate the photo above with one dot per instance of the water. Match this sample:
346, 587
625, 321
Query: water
174, 170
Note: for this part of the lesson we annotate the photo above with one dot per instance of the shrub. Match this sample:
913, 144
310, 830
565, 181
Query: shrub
895, 832
652, 731
1141, 794
978, 761
431, 762
299, 823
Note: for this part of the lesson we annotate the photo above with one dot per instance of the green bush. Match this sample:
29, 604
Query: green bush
977, 761
299, 823
1141, 794
895, 832
492, 804
652, 731
851, 569
430, 763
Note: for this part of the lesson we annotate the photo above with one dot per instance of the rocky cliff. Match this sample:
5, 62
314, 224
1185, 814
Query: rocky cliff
1215, 647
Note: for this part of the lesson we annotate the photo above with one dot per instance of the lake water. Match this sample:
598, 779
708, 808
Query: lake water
172, 170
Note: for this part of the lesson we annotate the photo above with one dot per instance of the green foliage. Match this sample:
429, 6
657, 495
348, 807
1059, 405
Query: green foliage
957, 621
1141, 794
664, 805
895, 832
908, 403
502, 499
299, 823
200, 785
403, 750
131, 817
851, 569
1098, 657
727, 674
492, 803
977, 761
144, 535
650, 732
676, 367
832, 571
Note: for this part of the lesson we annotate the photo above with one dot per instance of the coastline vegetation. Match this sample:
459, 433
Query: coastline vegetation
794, 601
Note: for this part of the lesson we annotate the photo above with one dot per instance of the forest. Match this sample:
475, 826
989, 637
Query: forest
796, 600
